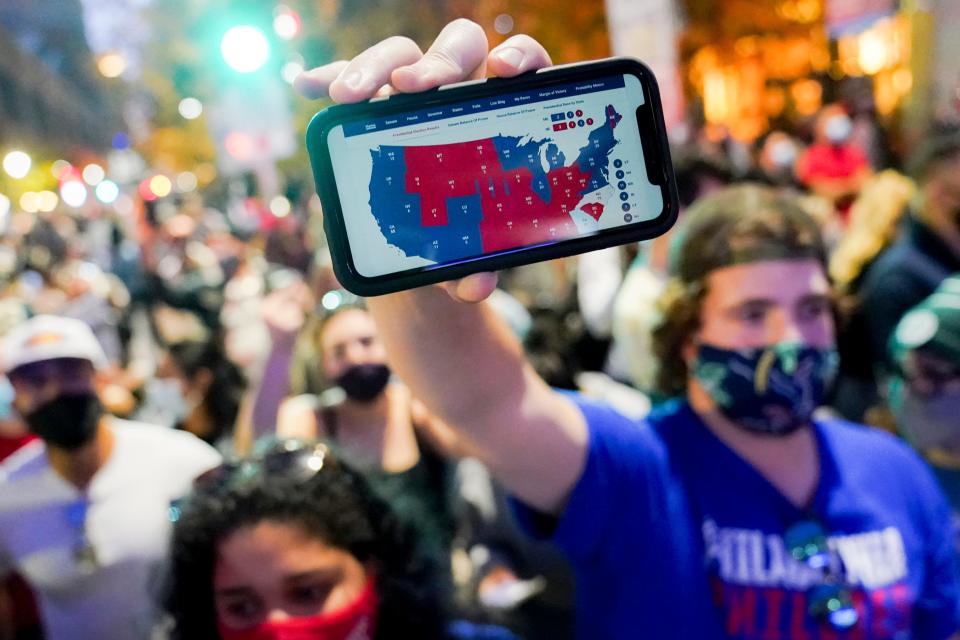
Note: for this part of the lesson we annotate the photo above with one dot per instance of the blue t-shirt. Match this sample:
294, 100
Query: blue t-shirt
673, 535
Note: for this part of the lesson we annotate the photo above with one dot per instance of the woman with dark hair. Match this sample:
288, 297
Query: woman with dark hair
294, 544
198, 389
374, 422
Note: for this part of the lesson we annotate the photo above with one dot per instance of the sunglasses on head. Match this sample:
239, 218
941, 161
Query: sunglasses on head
829, 601
293, 460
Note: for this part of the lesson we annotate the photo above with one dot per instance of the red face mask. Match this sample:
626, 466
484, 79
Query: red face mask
356, 621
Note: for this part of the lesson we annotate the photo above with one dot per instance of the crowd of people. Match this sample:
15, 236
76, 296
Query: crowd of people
747, 428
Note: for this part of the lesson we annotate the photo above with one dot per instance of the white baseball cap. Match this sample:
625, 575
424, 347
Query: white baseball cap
49, 338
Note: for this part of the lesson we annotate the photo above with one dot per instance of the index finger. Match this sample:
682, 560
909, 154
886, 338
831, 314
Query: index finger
360, 78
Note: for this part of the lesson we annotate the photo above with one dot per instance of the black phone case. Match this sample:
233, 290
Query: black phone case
656, 153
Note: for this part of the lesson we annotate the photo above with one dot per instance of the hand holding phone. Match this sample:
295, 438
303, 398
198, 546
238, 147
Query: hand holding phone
420, 189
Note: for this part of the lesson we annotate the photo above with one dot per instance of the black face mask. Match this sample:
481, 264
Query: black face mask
364, 382
68, 421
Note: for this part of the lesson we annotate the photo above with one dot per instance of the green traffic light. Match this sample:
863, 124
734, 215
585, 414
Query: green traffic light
245, 48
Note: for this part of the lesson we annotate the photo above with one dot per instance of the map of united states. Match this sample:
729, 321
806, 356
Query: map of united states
450, 201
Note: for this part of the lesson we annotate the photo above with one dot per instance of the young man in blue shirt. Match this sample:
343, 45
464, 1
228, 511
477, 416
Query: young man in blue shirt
732, 513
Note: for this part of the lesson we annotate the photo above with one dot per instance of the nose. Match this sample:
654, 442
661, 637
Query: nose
278, 615
786, 328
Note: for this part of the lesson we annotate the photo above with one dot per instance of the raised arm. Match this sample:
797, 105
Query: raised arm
452, 350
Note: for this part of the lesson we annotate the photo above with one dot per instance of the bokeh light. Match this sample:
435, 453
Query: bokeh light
73, 193
144, 190
239, 145
16, 164
28, 202
107, 191
93, 174
60, 169
47, 201
331, 300
280, 206
186, 182
120, 141
291, 70
503, 24
286, 22
244, 48
111, 65
160, 186
190, 108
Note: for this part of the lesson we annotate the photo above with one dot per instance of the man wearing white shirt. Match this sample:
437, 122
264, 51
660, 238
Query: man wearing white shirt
84, 511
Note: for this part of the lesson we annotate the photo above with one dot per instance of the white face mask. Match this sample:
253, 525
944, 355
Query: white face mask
783, 154
166, 402
838, 129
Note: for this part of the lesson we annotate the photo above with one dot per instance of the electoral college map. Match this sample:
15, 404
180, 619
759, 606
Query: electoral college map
469, 180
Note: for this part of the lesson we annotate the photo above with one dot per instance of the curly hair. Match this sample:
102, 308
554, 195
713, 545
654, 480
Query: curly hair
336, 505
738, 225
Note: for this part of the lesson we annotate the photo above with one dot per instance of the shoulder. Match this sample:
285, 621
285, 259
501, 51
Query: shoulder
853, 440
26, 482
876, 456
25, 462
615, 438
164, 443
898, 264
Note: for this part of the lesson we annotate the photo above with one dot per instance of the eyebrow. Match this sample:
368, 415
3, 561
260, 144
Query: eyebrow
815, 297
323, 574
232, 591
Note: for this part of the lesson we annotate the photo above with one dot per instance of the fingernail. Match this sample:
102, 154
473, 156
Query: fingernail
354, 79
511, 56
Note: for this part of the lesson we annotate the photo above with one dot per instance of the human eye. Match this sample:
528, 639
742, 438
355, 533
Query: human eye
751, 313
241, 611
814, 308
308, 594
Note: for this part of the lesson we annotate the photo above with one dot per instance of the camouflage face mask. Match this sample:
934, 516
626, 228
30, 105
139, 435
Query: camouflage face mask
772, 390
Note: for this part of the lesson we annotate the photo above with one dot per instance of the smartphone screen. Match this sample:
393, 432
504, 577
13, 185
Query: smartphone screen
445, 184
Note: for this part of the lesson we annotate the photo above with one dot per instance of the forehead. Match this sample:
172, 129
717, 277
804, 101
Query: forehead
777, 280
346, 325
272, 546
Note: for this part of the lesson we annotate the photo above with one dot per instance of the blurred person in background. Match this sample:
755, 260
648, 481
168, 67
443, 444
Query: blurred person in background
182, 271
197, 389
294, 543
19, 618
376, 424
924, 388
833, 167
875, 222
857, 97
777, 160
927, 249
731, 513
83, 510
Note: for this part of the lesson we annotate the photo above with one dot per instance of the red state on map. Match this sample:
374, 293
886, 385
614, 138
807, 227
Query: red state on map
593, 209
513, 212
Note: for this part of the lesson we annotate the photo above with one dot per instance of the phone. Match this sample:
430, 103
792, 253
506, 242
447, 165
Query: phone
489, 174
